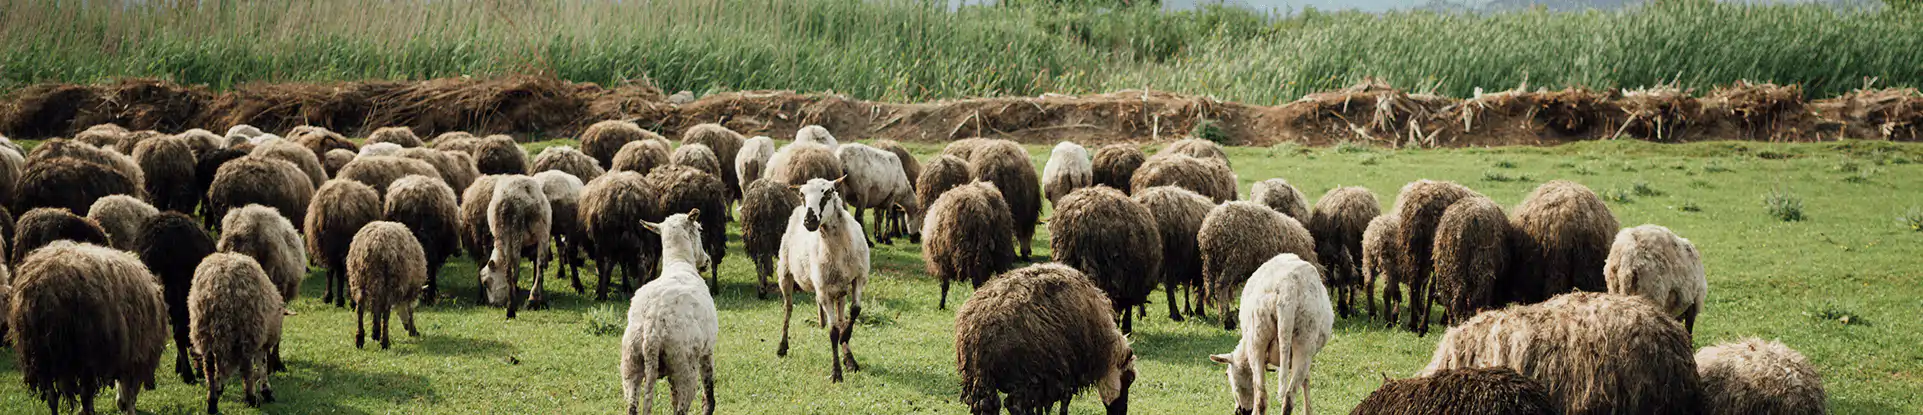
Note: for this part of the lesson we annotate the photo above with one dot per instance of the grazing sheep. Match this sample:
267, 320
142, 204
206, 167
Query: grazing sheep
564, 227
206, 166
236, 319
1006, 164
244, 130
751, 162
456, 141
59, 148
428, 208
1338, 223
764, 219
799, 162
824, 253
686, 188
568, 160
1472, 254
1206, 177
319, 140
121, 216
698, 156
818, 135
1039, 335
341, 207
1115, 164
102, 135
262, 233
722, 142
1378, 256
970, 236
380, 171
520, 220
1103, 233
672, 323
400, 136
1277, 194
69, 183
475, 237
1596, 353
379, 149
612, 209
909, 165
606, 138
197, 140
1752, 376
1068, 168
455, 168
1420, 205
385, 270
335, 159
1197, 148
499, 154
1289, 320
167, 167
1492, 391
1653, 262
85, 316
876, 181
12, 165
259, 180
172, 245
308, 162
641, 156
1178, 216
939, 176
1237, 238
43, 226
1563, 234
964, 148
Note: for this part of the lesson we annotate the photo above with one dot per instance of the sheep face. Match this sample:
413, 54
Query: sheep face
1114, 385
681, 239
823, 203
494, 278
1242, 377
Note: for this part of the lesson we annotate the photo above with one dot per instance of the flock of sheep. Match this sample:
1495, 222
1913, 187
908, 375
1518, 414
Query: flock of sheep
1551, 307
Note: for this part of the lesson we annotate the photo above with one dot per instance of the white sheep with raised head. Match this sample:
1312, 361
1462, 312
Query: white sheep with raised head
672, 323
824, 252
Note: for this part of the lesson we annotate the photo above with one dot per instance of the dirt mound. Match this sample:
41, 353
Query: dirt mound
1761, 112
138, 104
1523, 117
522, 103
280, 107
1370, 112
1889, 114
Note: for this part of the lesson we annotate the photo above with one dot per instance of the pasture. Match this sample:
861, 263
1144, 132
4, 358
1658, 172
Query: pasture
1841, 285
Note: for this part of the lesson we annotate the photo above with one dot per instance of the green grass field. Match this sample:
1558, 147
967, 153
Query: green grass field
1852, 256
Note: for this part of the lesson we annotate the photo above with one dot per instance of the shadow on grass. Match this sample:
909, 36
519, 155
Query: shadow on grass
942, 386
444, 345
319, 387
1187, 349
1853, 406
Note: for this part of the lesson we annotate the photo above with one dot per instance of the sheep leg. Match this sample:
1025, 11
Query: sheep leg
1689, 318
848, 333
432, 288
1065, 404
129, 393
182, 365
707, 383
943, 305
214, 384
683, 385
1128, 319
605, 269
561, 251
1391, 293
387, 331
884, 230
513, 282
1420, 303
1169, 287
787, 316
650, 372
265, 388
327, 296
537, 297
763, 268
407, 320
247, 383
360, 326
338, 279
834, 353
274, 363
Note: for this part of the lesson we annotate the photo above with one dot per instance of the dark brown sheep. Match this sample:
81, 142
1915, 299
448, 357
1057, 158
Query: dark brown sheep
380, 171
12, 165
85, 317
1563, 234
42, 226
941, 174
1490, 391
686, 188
568, 160
400, 136
1039, 335
70, 183
172, 245
1338, 222
764, 219
428, 208
319, 140
798, 163
475, 237
1278, 194
606, 138
385, 270
1115, 165
964, 148
1198, 148
262, 233
1178, 216
1206, 177
121, 216
335, 159
259, 180
499, 154
970, 236
725, 143
456, 168
1236, 238
59, 148
168, 169
206, 166
612, 209
1420, 205
698, 156
455, 141
340, 208
1114, 240
1378, 255
1007, 165
308, 162
236, 315
1472, 254
641, 156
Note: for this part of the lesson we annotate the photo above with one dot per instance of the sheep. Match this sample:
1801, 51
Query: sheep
198, 141
385, 270
911, 168
1653, 262
568, 160
1290, 319
818, 135
1197, 148
85, 315
1006, 164
672, 323
1277, 194
519, 220
400, 136
604, 139
964, 148
42, 226
379, 149
259, 180
171, 245
236, 322
1563, 235
475, 238
876, 181
751, 161
1494, 391
563, 191
797, 163
970, 236
319, 140
12, 165
641, 156
455, 168
1206, 177
1472, 254
1103, 233
102, 135
121, 216
612, 209
380, 171
206, 166
686, 188
1752, 376
1237, 238
823, 252
1338, 222
723, 143
940, 175
1178, 216
1594, 352
167, 170
1420, 205
1068, 168
335, 159
460, 141
262, 233
1114, 165
765, 207
69, 183
698, 156
308, 162
341, 207
1039, 335
427, 207
243, 130
121, 164
499, 154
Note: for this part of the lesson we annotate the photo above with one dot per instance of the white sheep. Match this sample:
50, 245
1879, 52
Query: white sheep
672, 323
1069, 167
520, 218
380, 149
876, 181
1286, 318
1653, 262
818, 135
751, 162
825, 253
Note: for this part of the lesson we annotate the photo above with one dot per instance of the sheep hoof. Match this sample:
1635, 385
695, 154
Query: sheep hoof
782, 350
852, 366
266, 395
251, 401
188, 377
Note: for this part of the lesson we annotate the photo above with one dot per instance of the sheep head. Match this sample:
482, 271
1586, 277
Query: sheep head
1114, 385
823, 203
681, 239
494, 278
1244, 378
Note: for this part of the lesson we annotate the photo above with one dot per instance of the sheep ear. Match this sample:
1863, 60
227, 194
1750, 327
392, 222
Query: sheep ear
694, 214
651, 226
1219, 358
